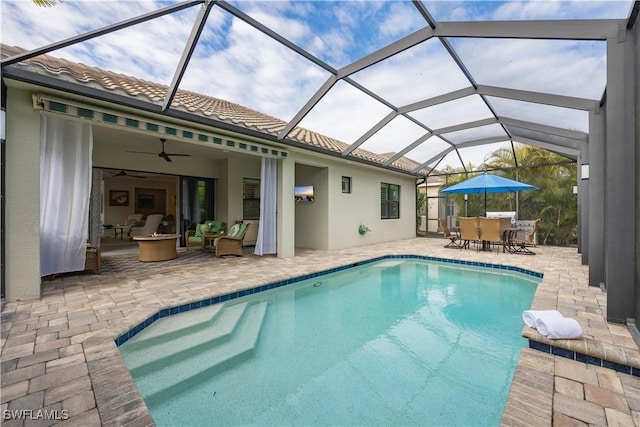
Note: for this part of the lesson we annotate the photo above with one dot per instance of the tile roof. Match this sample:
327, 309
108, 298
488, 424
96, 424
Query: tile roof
190, 102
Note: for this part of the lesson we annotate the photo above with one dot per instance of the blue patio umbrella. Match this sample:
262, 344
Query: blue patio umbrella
487, 183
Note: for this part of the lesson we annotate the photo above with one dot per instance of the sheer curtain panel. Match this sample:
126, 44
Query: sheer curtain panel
65, 186
266, 241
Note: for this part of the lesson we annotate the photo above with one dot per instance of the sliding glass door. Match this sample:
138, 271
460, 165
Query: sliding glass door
197, 203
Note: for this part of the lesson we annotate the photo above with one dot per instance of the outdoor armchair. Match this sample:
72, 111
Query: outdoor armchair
198, 237
231, 244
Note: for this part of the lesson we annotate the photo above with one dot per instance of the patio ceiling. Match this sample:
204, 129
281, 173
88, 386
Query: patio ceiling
441, 83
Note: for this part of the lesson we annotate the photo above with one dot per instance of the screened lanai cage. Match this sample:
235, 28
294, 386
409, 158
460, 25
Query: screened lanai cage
417, 86
422, 86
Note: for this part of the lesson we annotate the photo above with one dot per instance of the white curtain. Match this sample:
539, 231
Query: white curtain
65, 186
266, 241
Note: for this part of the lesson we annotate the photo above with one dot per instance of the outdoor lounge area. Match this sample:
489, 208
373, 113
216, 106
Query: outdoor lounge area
59, 351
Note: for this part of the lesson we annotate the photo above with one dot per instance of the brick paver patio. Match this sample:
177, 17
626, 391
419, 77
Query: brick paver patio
59, 359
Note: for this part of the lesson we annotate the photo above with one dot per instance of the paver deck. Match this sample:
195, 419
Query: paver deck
59, 359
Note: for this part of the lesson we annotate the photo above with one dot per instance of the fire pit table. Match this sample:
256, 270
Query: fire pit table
158, 247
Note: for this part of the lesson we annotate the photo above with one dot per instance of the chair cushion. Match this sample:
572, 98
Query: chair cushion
216, 226
243, 227
195, 239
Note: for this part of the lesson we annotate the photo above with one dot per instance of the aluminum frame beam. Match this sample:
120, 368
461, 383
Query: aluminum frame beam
552, 130
99, 32
540, 98
190, 46
585, 29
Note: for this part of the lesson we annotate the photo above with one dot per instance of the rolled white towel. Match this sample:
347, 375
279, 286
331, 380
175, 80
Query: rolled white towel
559, 328
530, 316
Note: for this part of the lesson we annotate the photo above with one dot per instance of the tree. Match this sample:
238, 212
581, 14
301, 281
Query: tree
554, 202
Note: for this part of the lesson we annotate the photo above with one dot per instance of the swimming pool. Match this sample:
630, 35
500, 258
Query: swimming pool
395, 342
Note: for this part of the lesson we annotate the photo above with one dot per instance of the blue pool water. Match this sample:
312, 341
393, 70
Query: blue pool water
395, 342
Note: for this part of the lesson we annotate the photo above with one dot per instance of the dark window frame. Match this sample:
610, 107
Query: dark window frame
389, 201
251, 198
346, 179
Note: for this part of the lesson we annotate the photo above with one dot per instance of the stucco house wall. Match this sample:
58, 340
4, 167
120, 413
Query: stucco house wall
22, 202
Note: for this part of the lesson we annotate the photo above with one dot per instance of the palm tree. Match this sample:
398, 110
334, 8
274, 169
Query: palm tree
554, 202
46, 3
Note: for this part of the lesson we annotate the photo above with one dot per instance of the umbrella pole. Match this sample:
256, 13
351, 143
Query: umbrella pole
485, 202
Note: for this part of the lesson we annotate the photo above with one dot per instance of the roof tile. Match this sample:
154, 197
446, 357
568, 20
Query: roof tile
195, 103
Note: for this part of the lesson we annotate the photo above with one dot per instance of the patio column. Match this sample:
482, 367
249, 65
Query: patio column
22, 204
620, 183
286, 209
596, 197
583, 206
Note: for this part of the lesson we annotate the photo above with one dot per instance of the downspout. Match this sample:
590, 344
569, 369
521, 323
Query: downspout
3, 133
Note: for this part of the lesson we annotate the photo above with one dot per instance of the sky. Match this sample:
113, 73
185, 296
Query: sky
234, 61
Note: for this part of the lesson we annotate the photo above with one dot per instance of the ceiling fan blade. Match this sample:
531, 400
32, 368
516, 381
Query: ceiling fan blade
124, 173
161, 154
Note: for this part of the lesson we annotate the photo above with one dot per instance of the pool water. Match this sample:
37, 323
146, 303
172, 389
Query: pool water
395, 342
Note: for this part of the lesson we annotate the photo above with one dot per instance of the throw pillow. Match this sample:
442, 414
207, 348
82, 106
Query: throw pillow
234, 230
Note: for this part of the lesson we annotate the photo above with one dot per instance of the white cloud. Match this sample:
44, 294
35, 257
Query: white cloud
572, 68
414, 75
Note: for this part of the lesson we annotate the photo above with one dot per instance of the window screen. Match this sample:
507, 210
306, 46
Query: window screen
389, 201
250, 198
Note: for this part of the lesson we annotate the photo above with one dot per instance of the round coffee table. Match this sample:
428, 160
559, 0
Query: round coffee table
161, 247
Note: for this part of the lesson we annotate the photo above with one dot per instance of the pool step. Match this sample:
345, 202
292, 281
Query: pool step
177, 335
201, 362
176, 325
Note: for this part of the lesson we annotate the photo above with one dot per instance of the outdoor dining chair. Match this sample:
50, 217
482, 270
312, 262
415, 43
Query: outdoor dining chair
521, 246
454, 238
469, 231
490, 232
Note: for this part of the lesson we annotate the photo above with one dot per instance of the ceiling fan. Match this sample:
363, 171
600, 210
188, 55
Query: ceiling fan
162, 154
124, 173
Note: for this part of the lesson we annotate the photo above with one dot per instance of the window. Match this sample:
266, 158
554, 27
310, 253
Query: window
250, 198
389, 201
346, 184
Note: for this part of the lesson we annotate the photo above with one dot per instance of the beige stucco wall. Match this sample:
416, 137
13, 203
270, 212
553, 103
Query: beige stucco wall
312, 218
22, 202
332, 220
236, 170
119, 214
362, 206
